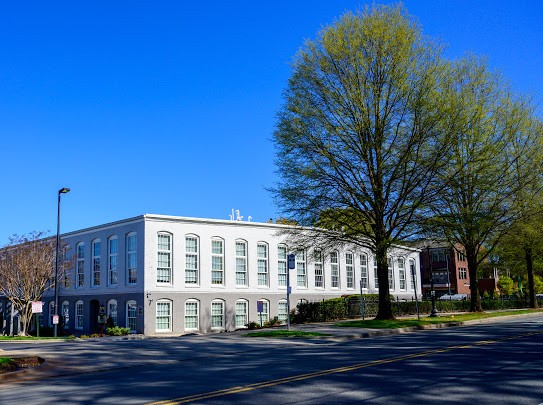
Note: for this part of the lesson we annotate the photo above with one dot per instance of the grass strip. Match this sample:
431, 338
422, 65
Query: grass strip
407, 322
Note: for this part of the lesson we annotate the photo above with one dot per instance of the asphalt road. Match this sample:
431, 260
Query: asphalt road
495, 363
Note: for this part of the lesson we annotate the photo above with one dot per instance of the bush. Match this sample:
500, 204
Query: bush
117, 331
272, 322
252, 325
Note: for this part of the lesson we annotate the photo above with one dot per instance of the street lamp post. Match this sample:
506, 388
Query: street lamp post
63, 190
434, 312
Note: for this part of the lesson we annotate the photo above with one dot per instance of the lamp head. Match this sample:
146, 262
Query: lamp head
64, 190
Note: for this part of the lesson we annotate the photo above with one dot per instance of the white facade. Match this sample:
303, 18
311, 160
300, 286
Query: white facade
164, 275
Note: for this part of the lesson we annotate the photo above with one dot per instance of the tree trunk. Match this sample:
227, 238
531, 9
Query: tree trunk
385, 306
471, 255
530, 268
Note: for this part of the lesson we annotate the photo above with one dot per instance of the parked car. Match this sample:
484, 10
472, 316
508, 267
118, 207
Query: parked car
453, 297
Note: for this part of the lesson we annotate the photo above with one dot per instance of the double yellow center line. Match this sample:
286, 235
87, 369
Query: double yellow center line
300, 377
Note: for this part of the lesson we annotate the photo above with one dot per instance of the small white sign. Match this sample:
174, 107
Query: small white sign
37, 307
55, 319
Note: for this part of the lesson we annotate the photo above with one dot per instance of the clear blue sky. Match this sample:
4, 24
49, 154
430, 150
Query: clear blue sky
169, 107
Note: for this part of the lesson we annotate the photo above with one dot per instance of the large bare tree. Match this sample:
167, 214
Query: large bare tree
27, 270
361, 133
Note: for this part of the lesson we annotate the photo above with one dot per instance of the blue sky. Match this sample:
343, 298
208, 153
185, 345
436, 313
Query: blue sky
169, 107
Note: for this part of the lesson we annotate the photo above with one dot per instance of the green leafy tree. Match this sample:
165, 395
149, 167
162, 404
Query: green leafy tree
493, 159
506, 285
360, 136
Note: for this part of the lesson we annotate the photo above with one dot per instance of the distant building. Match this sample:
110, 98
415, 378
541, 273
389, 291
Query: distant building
163, 275
448, 267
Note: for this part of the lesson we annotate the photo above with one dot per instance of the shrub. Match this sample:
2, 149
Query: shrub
253, 325
272, 322
117, 331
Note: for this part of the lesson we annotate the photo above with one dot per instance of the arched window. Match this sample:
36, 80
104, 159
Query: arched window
334, 269
80, 265
113, 250
242, 313
217, 314
65, 314
192, 319
132, 258
412, 274
282, 311
319, 268
164, 259
282, 265
364, 271
112, 311
301, 269
95, 262
131, 316
164, 316
401, 274
79, 315
262, 264
191, 259
217, 261
241, 263
349, 270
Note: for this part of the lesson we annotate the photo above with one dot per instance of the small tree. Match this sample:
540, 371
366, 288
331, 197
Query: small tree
27, 270
505, 284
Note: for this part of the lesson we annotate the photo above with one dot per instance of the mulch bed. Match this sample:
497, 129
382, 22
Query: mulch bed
18, 363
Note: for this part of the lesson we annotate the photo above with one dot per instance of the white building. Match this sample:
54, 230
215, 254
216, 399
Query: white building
165, 275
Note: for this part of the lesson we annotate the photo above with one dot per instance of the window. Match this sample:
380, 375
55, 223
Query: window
80, 265
242, 318
191, 259
334, 269
113, 248
461, 256
265, 315
262, 257
131, 315
390, 274
217, 314
132, 258
163, 316
112, 311
79, 315
375, 276
319, 273
413, 274
65, 314
301, 274
164, 265
217, 261
401, 274
462, 273
282, 312
66, 271
282, 265
349, 270
51, 313
191, 315
95, 280
363, 271
241, 263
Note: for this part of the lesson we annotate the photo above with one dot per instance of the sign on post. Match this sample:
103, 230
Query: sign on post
291, 261
260, 309
55, 319
37, 307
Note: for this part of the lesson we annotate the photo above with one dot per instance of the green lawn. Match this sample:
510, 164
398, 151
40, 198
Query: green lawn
5, 360
284, 333
426, 320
